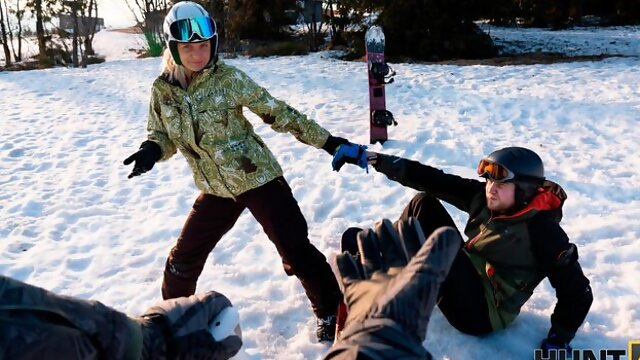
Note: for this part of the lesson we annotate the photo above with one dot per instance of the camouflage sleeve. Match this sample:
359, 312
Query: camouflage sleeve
155, 127
36, 324
281, 117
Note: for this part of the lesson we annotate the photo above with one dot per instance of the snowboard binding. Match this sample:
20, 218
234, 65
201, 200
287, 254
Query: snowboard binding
382, 72
383, 118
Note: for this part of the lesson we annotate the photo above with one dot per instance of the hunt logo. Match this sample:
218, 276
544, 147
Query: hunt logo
633, 353
634, 350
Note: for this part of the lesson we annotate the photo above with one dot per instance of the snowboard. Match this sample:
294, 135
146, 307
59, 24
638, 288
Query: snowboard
380, 74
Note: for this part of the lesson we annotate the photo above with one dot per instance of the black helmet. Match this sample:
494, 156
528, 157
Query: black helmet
525, 164
518, 165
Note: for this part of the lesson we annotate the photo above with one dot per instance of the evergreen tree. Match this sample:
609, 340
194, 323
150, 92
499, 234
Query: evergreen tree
435, 29
260, 19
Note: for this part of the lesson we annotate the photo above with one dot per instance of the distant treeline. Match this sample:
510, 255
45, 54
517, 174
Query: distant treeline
560, 14
417, 29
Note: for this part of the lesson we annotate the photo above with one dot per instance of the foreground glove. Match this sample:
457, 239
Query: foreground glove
181, 325
554, 342
352, 154
145, 158
391, 287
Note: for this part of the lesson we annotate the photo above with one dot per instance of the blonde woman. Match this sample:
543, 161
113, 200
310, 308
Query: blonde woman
196, 108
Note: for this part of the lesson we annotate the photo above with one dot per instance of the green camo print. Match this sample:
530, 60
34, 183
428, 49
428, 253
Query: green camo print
206, 124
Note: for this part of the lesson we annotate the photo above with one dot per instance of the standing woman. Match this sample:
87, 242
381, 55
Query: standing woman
196, 108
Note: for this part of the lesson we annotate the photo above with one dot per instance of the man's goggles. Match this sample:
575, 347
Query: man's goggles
197, 28
494, 171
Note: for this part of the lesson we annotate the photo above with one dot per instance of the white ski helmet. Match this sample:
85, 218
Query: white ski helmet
187, 22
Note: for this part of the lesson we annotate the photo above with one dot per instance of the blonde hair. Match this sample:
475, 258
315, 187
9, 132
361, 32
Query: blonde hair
174, 71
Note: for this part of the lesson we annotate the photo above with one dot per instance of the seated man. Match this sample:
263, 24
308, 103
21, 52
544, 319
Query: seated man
515, 239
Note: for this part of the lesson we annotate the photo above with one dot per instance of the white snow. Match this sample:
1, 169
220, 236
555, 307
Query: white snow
116, 45
621, 40
72, 222
111, 44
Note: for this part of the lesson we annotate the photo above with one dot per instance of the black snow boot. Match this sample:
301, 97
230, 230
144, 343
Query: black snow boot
326, 328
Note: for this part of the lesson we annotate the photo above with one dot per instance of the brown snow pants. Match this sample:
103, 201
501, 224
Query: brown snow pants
275, 208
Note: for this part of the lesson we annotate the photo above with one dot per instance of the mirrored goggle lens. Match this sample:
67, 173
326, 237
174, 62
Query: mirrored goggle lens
494, 171
200, 28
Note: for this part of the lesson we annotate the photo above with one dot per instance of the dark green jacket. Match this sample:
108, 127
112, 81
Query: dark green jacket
501, 250
512, 254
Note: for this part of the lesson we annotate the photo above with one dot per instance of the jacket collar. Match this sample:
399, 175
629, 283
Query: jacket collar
210, 68
544, 200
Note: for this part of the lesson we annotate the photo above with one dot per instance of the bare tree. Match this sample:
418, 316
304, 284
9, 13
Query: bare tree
74, 7
151, 14
311, 11
333, 27
18, 12
40, 33
3, 34
346, 16
89, 12
78, 24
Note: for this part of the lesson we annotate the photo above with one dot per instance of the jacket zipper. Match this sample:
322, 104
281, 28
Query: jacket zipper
204, 176
475, 239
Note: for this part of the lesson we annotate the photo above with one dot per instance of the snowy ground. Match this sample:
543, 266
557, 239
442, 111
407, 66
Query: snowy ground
70, 220
113, 45
622, 40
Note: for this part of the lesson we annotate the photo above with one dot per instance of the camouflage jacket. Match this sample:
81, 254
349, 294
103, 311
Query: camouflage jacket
37, 324
205, 122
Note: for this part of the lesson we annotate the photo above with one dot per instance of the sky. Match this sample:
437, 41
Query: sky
71, 221
116, 14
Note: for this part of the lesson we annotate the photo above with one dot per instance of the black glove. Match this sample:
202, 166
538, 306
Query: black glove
332, 143
396, 276
145, 158
178, 329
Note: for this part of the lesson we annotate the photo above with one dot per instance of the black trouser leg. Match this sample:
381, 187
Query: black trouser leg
462, 299
275, 208
429, 212
210, 218
461, 296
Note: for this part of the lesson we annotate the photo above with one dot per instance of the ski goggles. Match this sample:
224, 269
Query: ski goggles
196, 28
494, 171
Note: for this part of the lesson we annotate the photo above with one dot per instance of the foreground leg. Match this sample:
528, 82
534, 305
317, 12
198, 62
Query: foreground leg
275, 208
210, 218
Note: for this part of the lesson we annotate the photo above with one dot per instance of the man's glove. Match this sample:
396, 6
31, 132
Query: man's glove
145, 158
178, 329
555, 342
352, 154
395, 275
